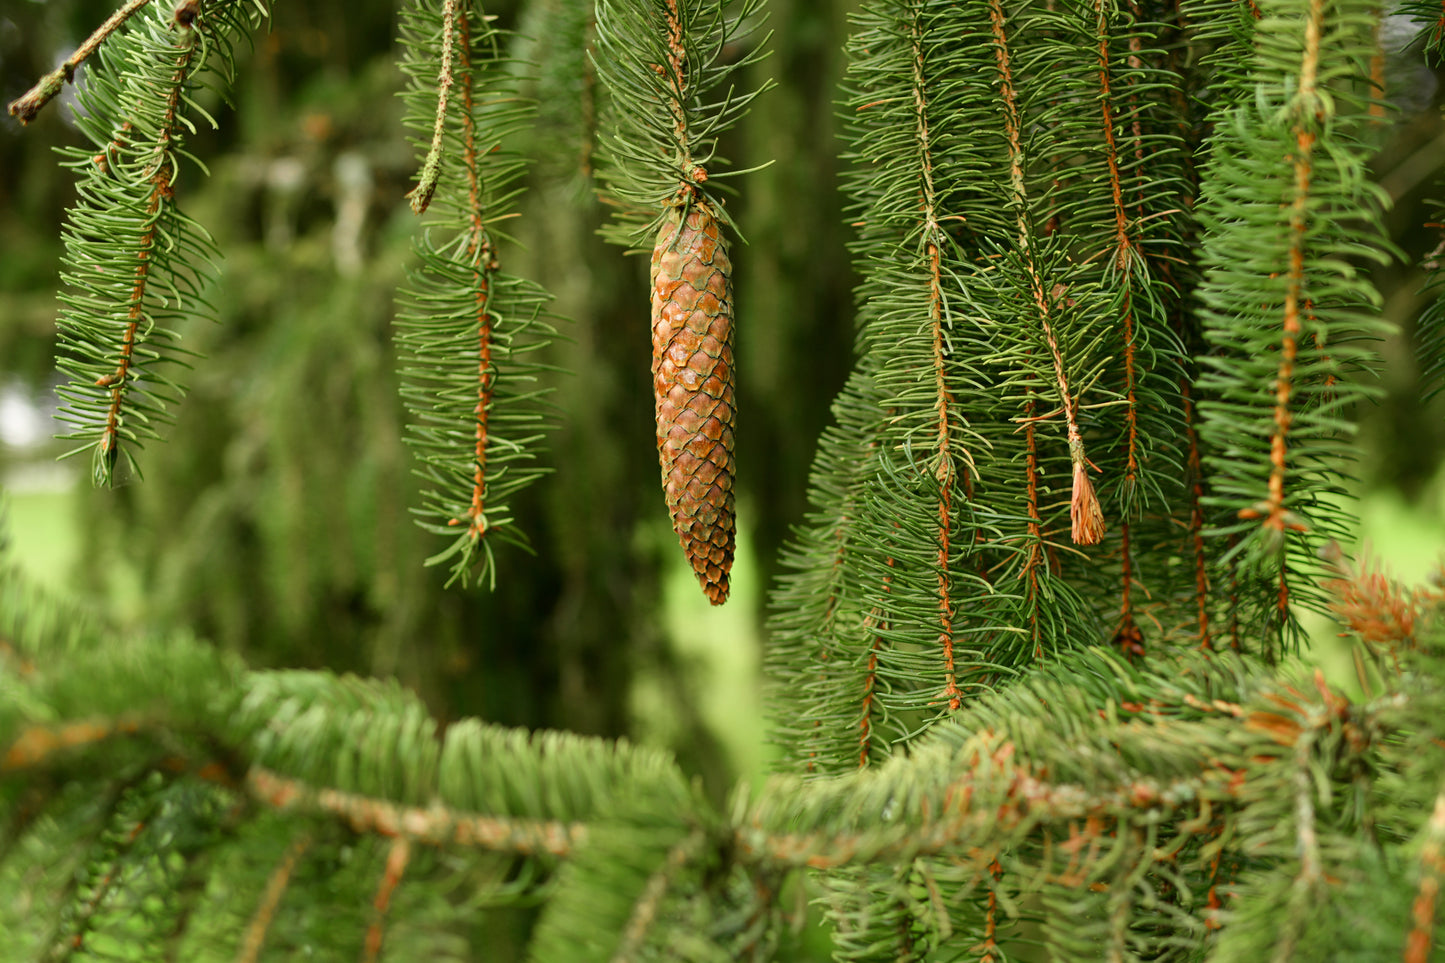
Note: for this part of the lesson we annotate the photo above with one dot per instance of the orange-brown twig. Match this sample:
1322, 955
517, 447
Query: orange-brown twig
162, 177
276, 884
396, 860
1432, 873
36, 745
944, 471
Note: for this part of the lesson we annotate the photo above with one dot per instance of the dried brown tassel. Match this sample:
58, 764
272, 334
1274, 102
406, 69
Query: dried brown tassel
692, 380
1084, 510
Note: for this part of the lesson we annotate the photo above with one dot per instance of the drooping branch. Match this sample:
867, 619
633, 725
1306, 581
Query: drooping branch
116, 338
944, 472
475, 417
1084, 511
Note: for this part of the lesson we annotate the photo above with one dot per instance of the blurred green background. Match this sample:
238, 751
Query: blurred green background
275, 520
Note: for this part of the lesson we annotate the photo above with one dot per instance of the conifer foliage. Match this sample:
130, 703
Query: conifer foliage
136, 262
476, 420
663, 63
1029, 657
161, 801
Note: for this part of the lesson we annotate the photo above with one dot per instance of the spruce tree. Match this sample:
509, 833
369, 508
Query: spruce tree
1031, 659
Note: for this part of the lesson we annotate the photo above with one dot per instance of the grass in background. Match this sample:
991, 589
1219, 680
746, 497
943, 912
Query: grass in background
44, 533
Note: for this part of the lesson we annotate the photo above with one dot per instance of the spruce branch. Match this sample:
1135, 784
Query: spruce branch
1283, 303
665, 65
137, 265
155, 201
70, 940
933, 239
1123, 258
1176, 773
645, 910
816, 604
467, 331
1084, 511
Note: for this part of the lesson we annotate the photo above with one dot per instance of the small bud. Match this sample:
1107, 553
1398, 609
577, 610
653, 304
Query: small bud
186, 13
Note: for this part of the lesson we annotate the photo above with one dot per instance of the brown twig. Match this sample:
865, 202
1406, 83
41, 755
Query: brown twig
944, 472
25, 107
481, 254
36, 745
875, 625
431, 168
255, 938
396, 859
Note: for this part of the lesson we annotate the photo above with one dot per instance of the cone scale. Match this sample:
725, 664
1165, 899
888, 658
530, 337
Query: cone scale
692, 379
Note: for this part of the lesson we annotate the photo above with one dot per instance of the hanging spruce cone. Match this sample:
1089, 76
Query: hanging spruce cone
692, 380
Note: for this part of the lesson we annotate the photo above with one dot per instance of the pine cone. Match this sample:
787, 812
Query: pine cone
692, 380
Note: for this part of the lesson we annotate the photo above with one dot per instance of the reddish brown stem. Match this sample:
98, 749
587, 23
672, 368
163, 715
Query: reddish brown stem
1272, 509
276, 885
1124, 245
161, 178
36, 745
480, 254
944, 470
396, 860
1084, 511
1432, 872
